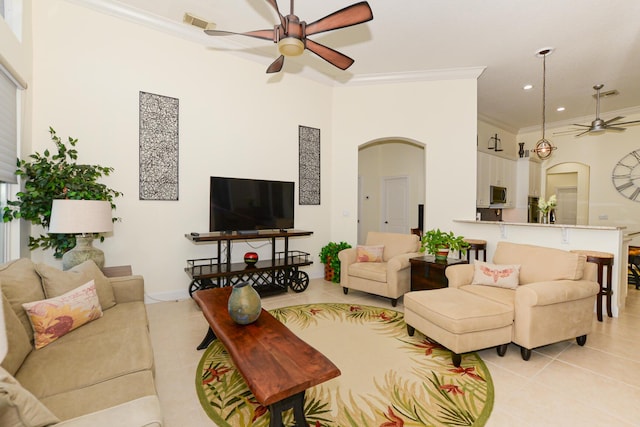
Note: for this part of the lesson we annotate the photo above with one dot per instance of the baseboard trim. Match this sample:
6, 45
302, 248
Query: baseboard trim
166, 296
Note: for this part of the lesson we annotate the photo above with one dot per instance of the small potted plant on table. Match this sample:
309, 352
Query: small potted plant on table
439, 243
329, 257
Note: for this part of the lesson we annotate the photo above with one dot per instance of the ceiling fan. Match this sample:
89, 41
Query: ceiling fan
291, 34
599, 125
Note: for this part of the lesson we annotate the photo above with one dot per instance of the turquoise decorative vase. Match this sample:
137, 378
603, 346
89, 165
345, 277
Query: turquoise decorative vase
244, 304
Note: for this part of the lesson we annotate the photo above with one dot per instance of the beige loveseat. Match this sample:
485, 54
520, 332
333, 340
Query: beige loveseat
391, 276
100, 374
555, 297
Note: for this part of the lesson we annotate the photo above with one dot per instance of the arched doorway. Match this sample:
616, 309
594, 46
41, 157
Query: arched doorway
391, 184
570, 182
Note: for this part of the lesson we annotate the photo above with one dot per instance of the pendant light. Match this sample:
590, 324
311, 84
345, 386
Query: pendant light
543, 146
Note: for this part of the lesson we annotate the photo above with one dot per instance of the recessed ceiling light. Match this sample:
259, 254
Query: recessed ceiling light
560, 109
527, 87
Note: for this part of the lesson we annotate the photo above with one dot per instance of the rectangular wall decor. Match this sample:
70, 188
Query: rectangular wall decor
158, 147
309, 165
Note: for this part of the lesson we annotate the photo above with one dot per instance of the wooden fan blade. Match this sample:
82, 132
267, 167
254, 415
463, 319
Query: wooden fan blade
582, 133
333, 57
350, 15
276, 65
582, 126
613, 120
258, 34
274, 5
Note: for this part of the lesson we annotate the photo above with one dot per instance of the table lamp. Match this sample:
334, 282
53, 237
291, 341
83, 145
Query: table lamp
83, 218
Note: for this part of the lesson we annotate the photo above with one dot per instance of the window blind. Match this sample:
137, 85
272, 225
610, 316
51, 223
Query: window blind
8, 128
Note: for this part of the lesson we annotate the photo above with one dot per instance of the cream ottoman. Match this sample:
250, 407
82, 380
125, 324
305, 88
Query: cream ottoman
459, 320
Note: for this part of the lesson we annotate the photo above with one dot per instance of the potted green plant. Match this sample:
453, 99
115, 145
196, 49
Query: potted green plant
439, 243
329, 257
50, 176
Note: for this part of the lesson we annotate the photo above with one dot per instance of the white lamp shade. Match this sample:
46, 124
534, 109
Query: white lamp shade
80, 216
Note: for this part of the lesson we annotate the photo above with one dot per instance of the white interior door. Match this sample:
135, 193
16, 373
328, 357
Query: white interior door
567, 205
395, 204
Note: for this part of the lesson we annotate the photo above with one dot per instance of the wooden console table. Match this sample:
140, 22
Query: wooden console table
277, 366
428, 273
268, 276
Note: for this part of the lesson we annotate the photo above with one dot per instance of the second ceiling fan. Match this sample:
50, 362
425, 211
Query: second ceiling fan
599, 125
291, 34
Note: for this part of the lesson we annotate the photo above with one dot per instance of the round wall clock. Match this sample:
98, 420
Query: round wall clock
626, 176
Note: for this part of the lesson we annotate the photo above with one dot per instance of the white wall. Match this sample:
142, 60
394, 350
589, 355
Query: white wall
234, 121
440, 114
507, 138
600, 153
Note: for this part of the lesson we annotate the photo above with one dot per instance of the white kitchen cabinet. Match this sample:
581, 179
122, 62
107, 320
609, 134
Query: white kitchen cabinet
535, 177
483, 180
509, 181
498, 171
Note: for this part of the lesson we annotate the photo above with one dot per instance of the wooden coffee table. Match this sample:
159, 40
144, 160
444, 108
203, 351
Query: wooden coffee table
277, 365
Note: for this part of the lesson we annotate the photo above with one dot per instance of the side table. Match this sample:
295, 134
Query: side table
428, 273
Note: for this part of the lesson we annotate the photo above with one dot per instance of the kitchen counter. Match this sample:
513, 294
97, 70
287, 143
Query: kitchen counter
527, 224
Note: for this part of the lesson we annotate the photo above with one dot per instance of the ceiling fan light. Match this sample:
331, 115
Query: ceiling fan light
290, 46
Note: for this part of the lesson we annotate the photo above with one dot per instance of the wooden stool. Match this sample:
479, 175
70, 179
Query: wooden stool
477, 246
601, 259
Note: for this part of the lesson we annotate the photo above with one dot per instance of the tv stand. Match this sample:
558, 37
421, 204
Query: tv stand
268, 276
246, 232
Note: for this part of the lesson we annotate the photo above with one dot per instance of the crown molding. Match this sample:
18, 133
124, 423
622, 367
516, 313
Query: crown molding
421, 75
498, 123
158, 23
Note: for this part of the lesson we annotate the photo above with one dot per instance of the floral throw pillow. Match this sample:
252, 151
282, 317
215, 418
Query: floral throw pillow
54, 317
502, 276
369, 253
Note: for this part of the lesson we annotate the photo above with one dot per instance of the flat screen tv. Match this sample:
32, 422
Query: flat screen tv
245, 205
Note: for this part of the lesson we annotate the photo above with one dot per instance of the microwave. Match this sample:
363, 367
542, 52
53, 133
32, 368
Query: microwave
497, 194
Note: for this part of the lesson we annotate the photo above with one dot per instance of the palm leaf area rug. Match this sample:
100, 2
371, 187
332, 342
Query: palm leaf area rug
389, 379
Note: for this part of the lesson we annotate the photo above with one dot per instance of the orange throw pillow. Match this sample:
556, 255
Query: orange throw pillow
55, 317
369, 253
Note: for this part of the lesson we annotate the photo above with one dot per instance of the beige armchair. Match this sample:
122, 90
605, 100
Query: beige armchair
390, 277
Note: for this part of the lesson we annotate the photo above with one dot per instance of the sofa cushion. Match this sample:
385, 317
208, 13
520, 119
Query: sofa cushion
101, 396
501, 276
20, 284
539, 264
19, 408
376, 271
394, 243
502, 295
54, 317
56, 282
18, 341
372, 253
86, 357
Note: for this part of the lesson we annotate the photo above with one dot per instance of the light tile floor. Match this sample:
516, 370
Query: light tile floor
561, 385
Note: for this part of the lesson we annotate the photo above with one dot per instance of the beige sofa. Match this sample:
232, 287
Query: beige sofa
530, 295
554, 300
100, 374
391, 276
